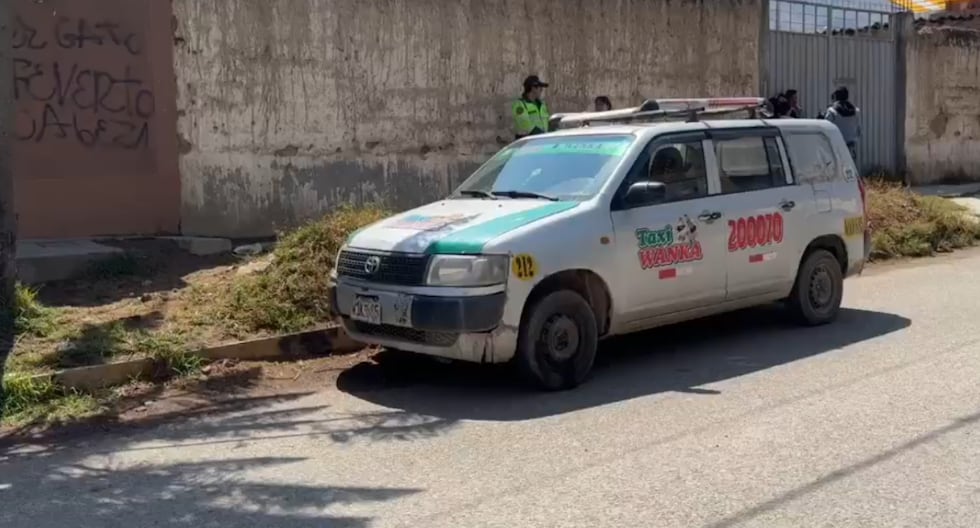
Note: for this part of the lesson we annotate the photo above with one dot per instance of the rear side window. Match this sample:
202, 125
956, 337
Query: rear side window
812, 157
748, 164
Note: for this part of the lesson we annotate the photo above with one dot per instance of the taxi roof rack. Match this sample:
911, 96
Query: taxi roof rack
656, 110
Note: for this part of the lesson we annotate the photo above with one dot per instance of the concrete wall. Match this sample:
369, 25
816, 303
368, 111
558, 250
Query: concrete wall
288, 108
943, 105
95, 150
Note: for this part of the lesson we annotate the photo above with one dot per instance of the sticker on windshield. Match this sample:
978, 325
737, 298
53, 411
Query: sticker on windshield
671, 245
524, 266
598, 148
420, 222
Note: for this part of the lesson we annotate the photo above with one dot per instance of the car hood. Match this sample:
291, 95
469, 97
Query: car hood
453, 226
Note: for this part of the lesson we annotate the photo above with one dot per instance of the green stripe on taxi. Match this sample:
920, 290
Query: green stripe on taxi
470, 240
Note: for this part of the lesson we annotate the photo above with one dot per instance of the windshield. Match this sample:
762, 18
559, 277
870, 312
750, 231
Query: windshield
556, 168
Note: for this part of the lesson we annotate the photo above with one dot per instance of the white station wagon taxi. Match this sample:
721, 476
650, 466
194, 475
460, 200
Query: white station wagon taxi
562, 239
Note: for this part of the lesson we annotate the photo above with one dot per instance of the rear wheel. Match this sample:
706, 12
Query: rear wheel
819, 288
558, 341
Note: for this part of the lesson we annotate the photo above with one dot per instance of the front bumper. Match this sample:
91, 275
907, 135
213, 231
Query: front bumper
465, 327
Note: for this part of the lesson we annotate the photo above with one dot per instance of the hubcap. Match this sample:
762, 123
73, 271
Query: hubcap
560, 337
821, 288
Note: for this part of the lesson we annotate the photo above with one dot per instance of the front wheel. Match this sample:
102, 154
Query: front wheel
557, 343
818, 290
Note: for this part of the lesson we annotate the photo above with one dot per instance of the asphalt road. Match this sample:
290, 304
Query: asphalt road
742, 420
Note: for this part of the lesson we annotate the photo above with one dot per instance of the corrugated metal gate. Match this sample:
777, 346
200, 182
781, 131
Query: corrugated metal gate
814, 48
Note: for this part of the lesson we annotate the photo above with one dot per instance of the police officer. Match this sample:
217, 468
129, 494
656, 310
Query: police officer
530, 112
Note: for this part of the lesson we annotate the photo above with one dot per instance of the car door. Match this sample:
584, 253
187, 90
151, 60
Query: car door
763, 208
670, 254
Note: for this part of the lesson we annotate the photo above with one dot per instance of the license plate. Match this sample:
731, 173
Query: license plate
366, 309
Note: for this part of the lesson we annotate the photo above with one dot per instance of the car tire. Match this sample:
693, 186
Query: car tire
819, 288
557, 343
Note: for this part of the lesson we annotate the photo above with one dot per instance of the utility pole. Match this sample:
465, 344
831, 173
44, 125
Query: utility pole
8, 219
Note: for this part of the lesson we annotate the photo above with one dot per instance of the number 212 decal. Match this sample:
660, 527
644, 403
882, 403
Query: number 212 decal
755, 231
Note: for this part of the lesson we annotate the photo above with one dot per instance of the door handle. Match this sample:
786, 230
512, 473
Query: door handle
709, 216
787, 205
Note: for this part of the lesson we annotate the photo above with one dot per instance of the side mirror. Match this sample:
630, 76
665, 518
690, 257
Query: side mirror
646, 193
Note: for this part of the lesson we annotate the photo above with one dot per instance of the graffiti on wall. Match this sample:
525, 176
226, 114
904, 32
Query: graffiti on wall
68, 97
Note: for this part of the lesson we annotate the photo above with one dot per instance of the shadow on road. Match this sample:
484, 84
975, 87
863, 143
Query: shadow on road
206, 493
79, 477
679, 358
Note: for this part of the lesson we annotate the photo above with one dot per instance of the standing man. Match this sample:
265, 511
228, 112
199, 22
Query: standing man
847, 117
780, 107
602, 104
794, 104
530, 112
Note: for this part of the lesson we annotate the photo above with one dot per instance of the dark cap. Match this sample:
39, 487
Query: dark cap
533, 81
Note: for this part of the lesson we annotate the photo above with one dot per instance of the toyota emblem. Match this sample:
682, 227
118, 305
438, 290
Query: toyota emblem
372, 265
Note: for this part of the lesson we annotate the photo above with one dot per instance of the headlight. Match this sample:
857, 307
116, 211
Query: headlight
458, 270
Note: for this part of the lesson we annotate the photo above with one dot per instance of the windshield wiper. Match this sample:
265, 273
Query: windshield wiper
524, 194
476, 192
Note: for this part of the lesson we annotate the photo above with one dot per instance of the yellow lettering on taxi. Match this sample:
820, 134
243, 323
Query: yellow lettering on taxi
854, 226
524, 266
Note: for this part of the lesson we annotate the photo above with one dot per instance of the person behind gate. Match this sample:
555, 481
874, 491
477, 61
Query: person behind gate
602, 104
793, 97
847, 117
530, 111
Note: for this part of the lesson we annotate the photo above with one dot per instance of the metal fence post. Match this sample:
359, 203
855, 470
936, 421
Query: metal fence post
904, 33
764, 48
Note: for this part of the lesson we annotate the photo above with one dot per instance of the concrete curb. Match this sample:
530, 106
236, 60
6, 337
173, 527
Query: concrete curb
98, 376
322, 341
289, 347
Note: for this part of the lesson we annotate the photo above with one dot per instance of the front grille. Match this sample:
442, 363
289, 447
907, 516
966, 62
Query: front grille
424, 337
394, 268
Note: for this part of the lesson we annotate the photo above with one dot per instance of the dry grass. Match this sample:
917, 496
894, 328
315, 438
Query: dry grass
291, 293
29, 400
121, 312
31, 317
164, 305
905, 224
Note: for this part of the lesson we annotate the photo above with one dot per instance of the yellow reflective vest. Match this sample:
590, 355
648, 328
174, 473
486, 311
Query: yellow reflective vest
528, 116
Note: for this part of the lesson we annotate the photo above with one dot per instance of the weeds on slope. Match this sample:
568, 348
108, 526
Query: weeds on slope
906, 224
